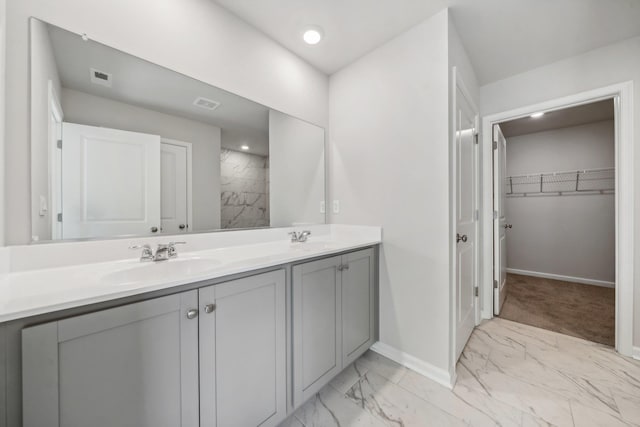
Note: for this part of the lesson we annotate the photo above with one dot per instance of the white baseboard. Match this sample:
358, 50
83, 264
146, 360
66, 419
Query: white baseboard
426, 369
636, 353
582, 280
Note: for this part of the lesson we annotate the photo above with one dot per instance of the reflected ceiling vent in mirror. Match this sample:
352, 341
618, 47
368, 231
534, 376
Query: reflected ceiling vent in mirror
101, 78
207, 104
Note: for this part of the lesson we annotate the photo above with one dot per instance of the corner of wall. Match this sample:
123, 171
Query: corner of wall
441, 376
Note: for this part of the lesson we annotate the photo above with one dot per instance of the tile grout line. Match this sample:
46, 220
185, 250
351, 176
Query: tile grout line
573, 420
299, 420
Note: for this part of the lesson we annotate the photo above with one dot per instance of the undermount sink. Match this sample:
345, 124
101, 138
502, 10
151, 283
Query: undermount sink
173, 268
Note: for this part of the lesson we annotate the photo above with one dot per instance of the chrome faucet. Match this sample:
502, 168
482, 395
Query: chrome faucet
164, 251
299, 237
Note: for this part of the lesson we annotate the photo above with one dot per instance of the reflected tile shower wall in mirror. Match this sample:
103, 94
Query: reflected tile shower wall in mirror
245, 189
125, 147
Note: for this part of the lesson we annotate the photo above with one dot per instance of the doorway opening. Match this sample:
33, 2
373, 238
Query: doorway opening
622, 96
554, 191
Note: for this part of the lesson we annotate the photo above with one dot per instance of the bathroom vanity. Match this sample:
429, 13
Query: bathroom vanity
243, 342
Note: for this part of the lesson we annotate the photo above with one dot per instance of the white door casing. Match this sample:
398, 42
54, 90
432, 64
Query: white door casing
56, 117
465, 134
622, 93
110, 182
175, 186
500, 221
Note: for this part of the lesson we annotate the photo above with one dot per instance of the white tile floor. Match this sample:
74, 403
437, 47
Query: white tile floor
509, 375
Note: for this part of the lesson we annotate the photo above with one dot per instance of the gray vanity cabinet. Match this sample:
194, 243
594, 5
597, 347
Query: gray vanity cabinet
215, 356
243, 352
135, 365
333, 318
358, 299
317, 314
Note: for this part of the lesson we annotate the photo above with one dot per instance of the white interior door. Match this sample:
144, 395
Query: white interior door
110, 182
499, 222
174, 183
466, 225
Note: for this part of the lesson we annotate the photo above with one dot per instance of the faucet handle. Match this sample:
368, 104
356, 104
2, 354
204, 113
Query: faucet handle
171, 248
140, 247
302, 237
147, 253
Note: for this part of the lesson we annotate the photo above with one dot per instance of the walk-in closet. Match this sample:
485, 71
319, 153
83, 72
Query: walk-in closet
560, 221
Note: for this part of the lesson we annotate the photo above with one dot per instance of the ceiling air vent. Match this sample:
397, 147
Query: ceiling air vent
207, 104
101, 78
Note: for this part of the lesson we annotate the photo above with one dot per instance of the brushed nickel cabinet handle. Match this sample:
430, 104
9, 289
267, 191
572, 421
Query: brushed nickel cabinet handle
209, 308
192, 314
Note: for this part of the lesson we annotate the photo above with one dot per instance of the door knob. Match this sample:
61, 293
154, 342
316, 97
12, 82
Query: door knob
209, 308
182, 226
459, 238
154, 229
508, 226
192, 314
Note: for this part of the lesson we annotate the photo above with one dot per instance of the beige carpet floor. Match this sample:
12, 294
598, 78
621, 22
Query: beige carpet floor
574, 309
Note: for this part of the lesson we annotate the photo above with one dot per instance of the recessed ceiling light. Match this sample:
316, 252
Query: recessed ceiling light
244, 147
312, 35
536, 115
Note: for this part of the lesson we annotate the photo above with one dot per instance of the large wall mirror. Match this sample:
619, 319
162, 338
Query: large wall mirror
122, 147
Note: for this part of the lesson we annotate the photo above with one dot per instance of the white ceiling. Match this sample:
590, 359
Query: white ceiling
502, 37
147, 85
566, 117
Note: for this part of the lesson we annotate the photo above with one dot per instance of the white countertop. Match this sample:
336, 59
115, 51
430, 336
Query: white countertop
31, 292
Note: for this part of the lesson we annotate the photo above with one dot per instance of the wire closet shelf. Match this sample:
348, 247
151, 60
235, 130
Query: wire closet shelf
588, 181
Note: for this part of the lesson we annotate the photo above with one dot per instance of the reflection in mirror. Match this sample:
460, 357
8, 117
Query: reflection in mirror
121, 146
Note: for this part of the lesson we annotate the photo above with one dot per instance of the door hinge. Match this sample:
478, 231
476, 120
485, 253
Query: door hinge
495, 284
59, 217
495, 145
476, 138
477, 215
475, 291
59, 144
495, 214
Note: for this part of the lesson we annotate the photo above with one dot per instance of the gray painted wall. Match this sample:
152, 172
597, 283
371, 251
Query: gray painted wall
296, 171
389, 146
3, 21
569, 235
194, 37
83, 108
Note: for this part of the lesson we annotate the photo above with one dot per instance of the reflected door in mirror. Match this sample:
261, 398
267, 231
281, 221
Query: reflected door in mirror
110, 182
175, 171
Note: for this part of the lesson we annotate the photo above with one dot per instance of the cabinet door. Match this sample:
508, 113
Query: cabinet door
317, 341
357, 304
135, 365
243, 352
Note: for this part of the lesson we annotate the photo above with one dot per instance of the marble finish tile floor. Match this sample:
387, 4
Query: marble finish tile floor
509, 374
